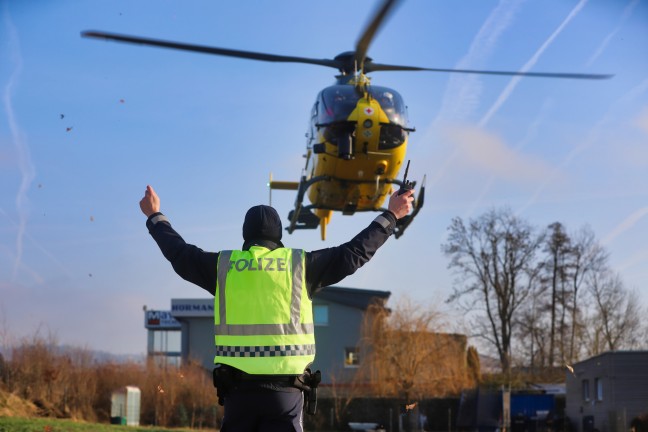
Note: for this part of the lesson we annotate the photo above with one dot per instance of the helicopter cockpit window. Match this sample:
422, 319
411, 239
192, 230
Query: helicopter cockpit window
338, 102
391, 136
392, 103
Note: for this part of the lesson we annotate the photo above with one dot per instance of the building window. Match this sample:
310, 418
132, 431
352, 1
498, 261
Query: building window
586, 390
320, 314
598, 385
351, 357
166, 341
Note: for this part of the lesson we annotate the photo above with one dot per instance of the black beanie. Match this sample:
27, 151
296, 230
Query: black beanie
262, 222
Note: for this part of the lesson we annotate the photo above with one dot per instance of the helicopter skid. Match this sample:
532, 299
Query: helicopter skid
302, 217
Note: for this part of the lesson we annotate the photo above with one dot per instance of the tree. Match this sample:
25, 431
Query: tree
587, 257
558, 248
474, 364
532, 331
615, 322
407, 355
495, 258
551, 324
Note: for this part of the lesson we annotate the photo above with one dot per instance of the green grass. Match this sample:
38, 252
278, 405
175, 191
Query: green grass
17, 424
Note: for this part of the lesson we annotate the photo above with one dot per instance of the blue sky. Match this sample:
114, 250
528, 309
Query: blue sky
85, 125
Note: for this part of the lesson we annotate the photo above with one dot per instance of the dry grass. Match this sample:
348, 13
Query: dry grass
14, 406
37, 380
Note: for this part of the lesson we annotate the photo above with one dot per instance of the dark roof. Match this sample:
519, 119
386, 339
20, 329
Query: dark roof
353, 297
613, 355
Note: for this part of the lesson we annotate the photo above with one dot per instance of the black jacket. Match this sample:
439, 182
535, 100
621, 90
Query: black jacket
324, 267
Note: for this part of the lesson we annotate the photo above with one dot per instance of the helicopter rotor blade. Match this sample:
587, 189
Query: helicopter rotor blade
251, 55
362, 46
374, 67
340, 63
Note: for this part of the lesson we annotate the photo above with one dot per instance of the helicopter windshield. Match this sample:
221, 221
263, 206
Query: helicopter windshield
338, 101
392, 103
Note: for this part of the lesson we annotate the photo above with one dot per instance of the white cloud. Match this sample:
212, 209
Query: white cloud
488, 153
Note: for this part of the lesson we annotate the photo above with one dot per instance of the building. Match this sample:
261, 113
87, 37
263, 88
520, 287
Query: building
338, 314
605, 392
163, 337
186, 331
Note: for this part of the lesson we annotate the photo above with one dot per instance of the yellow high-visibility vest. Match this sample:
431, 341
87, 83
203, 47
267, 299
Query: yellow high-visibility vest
262, 313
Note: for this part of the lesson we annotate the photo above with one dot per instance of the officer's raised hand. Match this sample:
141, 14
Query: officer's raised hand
401, 204
150, 203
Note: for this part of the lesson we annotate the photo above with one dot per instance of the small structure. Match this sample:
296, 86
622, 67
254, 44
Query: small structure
488, 410
125, 406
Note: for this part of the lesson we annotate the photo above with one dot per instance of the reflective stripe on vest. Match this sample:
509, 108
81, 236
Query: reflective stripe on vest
265, 351
283, 346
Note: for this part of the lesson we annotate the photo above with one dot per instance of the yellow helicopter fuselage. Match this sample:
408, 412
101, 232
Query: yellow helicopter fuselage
358, 146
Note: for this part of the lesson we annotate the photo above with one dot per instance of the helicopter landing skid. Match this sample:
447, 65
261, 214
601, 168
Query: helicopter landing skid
301, 217
306, 219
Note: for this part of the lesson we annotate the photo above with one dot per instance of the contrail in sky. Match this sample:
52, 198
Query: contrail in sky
639, 258
495, 27
22, 150
529, 64
37, 277
462, 94
627, 12
588, 141
625, 225
514, 82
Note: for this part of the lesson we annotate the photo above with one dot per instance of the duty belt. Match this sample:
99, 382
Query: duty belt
267, 378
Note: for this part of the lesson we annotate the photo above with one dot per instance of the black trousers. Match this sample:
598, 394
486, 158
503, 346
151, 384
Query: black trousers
263, 410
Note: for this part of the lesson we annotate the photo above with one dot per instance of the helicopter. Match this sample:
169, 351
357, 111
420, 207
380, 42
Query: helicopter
358, 134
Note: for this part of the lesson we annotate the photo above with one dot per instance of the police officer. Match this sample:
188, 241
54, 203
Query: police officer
263, 317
